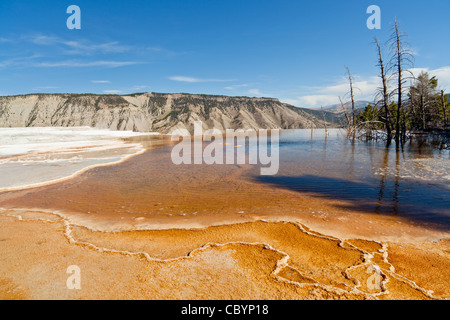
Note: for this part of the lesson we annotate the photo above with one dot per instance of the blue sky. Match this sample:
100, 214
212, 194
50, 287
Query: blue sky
292, 50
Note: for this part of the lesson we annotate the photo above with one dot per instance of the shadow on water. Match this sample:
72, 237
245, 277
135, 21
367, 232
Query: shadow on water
422, 202
427, 208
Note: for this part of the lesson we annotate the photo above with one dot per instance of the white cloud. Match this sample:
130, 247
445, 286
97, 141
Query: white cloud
45, 88
184, 79
254, 91
163, 51
33, 61
42, 39
196, 80
85, 47
258, 93
111, 91
78, 64
236, 86
312, 100
364, 89
18, 62
140, 87
100, 81
78, 47
442, 74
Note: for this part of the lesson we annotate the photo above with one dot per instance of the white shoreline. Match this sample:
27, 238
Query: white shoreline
58, 142
79, 172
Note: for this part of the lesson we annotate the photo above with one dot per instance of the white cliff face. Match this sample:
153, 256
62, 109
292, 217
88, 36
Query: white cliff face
149, 112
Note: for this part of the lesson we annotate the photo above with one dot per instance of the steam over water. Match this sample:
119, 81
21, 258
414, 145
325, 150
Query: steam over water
30, 156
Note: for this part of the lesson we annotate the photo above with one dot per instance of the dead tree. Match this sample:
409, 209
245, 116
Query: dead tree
347, 119
401, 58
384, 92
350, 80
444, 106
324, 121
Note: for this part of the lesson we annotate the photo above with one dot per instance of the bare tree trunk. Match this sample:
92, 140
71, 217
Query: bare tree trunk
352, 97
387, 112
345, 113
444, 107
413, 107
422, 108
324, 121
399, 85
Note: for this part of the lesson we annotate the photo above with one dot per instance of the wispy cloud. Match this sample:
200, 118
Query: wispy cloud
195, 80
236, 86
312, 100
127, 90
88, 47
18, 62
85, 47
81, 64
163, 51
140, 87
112, 91
41, 39
258, 93
100, 81
53, 52
45, 88
80, 47
34, 61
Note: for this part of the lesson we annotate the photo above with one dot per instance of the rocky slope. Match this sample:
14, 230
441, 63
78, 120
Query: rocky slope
145, 112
